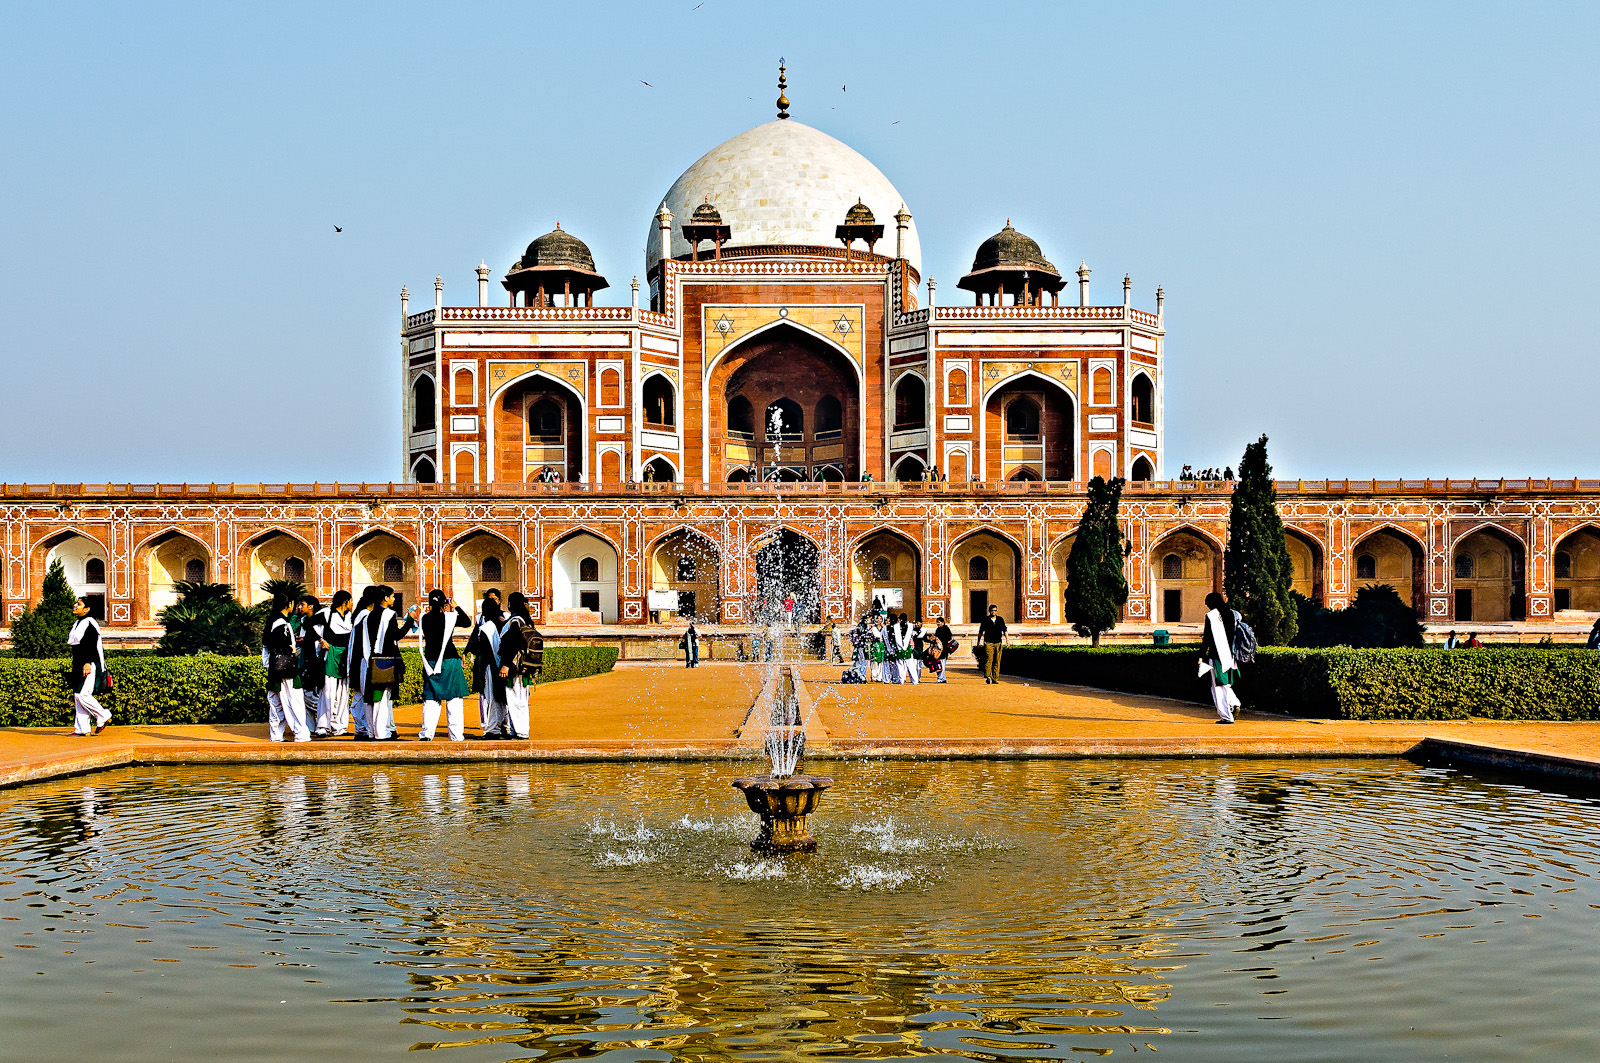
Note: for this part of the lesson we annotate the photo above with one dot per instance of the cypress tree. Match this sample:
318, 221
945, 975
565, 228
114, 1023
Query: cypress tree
1097, 585
41, 630
1256, 570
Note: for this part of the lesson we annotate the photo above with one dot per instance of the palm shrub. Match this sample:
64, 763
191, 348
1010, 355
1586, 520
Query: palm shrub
289, 588
1256, 570
1097, 586
207, 618
41, 630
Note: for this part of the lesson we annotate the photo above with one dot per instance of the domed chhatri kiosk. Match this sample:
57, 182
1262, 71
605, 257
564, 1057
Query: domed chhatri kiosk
781, 362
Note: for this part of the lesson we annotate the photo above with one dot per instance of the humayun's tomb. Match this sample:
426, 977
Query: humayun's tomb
725, 416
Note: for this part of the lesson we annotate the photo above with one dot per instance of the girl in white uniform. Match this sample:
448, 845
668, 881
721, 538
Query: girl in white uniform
444, 684
88, 673
280, 657
333, 708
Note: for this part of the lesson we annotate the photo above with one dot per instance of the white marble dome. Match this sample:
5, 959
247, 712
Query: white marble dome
783, 183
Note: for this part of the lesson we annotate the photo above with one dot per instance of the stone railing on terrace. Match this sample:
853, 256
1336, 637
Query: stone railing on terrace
1043, 313
536, 313
1187, 488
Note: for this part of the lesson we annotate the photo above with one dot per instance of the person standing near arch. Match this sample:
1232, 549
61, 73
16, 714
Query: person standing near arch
521, 661
992, 634
333, 708
279, 655
88, 672
444, 684
1216, 655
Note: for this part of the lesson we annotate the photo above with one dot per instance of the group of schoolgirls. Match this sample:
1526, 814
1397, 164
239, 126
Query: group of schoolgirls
892, 648
337, 669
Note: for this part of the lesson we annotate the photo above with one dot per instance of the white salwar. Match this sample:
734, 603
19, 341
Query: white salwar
360, 713
453, 727
286, 711
516, 708
910, 667
1222, 695
87, 712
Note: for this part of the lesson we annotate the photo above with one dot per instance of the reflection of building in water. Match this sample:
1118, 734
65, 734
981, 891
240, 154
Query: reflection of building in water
781, 344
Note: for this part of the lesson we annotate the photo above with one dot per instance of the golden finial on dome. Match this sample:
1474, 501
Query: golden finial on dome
783, 83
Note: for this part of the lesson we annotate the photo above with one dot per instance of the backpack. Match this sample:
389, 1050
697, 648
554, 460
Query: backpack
1244, 641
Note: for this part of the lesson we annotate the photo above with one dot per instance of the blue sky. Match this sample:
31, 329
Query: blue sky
1376, 223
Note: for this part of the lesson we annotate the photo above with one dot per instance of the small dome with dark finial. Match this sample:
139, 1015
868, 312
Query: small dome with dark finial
860, 214
1010, 249
706, 214
557, 248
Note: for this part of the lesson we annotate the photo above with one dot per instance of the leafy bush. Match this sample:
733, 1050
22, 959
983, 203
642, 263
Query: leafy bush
1378, 617
207, 618
41, 630
205, 688
1525, 683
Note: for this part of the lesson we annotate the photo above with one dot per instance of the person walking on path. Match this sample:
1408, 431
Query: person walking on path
788, 611
333, 708
521, 661
1216, 655
444, 684
992, 633
690, 645
88, 672
285, 712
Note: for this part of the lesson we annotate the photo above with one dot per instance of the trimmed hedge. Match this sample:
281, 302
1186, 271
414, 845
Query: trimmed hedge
1344, 683
205, 688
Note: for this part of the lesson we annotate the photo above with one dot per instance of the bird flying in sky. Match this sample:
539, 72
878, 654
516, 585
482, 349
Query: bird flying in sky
338, 228
646, 84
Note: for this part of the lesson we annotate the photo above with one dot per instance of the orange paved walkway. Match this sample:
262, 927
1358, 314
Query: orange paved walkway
665, 710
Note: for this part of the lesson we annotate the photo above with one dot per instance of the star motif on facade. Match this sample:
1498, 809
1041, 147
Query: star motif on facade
723, 324
842, 326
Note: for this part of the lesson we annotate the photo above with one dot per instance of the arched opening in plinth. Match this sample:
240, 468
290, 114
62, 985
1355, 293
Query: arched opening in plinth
787, 565
1305, 564
887, 567
1059, 577
83, 560
1576, 569
480, 561
811, 386
686, 566
382, 557
272, 555
1388, 556
1487, 577
165, 561
583, 575
985, 570
1185, 567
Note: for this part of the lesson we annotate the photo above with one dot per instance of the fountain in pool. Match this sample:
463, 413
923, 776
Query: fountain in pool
783, 797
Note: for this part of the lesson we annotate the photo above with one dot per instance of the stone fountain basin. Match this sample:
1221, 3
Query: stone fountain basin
783, 803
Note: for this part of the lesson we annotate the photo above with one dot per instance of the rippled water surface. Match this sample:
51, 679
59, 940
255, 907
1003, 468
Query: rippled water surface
1294, 910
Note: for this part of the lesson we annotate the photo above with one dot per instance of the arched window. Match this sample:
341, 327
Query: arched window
492, 571
423, 472
94, 571
463, 388
544, 421
830, 473
956, 387
659, 470
588, 570
1172, 567
741, 418
739, 476
610, 387
194, 570
394, 570
1464, 566
1101, 391
785, 420
1366, 567
1142, 469
1023, 475
688, 570
880, 569
910, 403
660, 402
1022, 421
830, 418
466, 467
909, 470
1144, 400
422, 399
1563, 565
294, 569
978, 568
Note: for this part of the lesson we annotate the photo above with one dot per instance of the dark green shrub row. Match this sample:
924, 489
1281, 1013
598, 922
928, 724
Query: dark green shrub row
205, 688
1343, 683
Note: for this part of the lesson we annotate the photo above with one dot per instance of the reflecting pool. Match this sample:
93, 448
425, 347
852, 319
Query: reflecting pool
1210, 910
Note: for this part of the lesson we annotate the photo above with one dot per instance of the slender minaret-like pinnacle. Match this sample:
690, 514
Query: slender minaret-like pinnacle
783, 85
